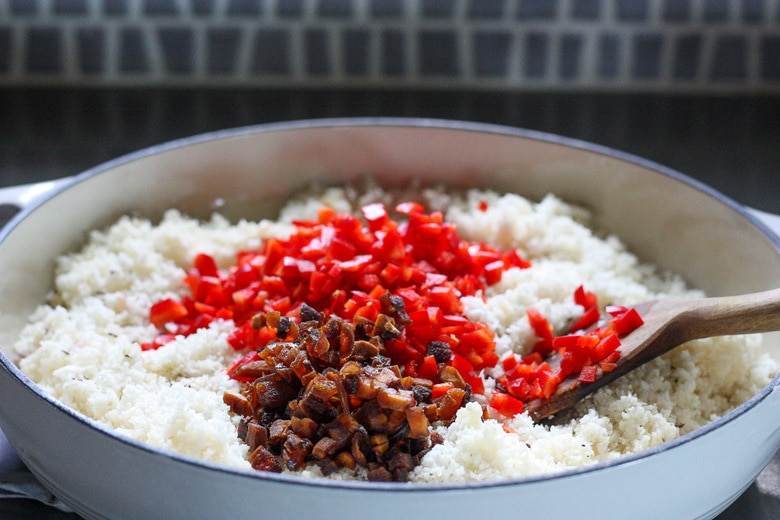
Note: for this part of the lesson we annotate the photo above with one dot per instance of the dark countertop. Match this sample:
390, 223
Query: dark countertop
731, 143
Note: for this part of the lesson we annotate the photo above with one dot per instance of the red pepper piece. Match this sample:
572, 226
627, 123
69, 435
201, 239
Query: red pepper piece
446, 299
246, 358
616, 310
206, 265
466, 370
505, 404
274, 252
572, 361
590, 317
543, 331
585, 298
626, 322
409, 208
539, 324
512, 259
547, 382
608, 364
533, 358
375, 215
607, 367
493, 272
209, 291
588, 374
605, 347
325, 215
166, 311
565, 342
509, 362
439, 389
589, 301
429, 369
480, 342
519, 388
159, 341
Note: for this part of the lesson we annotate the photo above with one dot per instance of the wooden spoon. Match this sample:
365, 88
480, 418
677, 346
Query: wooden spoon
669, 323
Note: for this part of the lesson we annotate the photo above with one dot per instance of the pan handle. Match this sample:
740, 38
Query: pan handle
15, 198
770, 220
23, 195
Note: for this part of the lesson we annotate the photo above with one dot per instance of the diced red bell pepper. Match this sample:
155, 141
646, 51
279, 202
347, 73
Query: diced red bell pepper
243, 360
209, 291
566, 341
355, 263
539, 324
409, 208
588, 374
534, 358
166, 311
607, 367
341, 249
325, 215
605, 347
439, 389
493, 272
512, 259
547, 381
626, 322
585, 298
590, 317
159, 341
572, 361
466, 370
274, 252
608, 364
616, 310
206, 265
509, 362
446, 299
375, 215
505, 404
543, 331
429, 369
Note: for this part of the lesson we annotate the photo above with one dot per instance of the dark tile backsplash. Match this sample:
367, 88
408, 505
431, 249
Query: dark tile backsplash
654, 45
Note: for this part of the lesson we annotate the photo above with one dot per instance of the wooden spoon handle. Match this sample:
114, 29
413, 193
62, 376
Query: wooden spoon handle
726, 315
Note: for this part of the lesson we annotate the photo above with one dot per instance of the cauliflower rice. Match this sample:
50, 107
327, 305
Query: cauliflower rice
83, 345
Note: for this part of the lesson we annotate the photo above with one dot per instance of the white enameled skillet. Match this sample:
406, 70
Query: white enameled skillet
665, 217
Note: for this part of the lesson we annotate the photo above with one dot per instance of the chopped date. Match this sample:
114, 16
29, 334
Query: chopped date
256, 435
295, 451
283, 327
378, 473
422, 393
309, 313
325, 447
238, 404
263, 460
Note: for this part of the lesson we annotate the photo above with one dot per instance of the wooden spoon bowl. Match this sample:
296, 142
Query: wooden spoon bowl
668, 323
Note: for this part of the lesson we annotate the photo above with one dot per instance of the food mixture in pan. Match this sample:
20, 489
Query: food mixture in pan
374, 335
